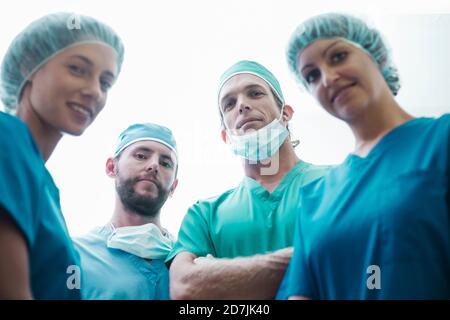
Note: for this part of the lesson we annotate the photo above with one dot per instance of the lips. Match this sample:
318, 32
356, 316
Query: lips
245, 121
81, 109
337, 92
150, 180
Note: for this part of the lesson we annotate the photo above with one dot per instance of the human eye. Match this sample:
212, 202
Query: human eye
338, 56
228, 105
76, 69
140, 156
312, 76
105, 85
255, 93
167, 164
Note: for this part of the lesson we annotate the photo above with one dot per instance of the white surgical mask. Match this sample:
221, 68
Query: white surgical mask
145, 241
260, 144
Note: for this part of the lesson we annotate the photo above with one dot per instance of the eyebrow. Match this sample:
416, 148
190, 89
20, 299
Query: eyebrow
323, 53
249, 86
90, 63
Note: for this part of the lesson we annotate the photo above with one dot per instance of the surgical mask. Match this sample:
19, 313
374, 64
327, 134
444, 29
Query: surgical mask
145, 241
260, 144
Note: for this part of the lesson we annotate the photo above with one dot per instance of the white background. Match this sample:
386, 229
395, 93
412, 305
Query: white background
175, 53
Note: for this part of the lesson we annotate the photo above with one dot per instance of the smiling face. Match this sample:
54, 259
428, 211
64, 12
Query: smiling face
145, 175
247, 103
342, 77
69, 91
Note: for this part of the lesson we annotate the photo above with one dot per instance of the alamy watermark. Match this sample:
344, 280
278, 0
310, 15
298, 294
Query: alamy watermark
374, 279
74, 278
73, 22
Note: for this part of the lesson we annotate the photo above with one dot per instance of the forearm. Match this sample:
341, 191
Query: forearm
256, 277
14, 275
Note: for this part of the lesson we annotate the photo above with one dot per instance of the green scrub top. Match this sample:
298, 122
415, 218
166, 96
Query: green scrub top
246, 220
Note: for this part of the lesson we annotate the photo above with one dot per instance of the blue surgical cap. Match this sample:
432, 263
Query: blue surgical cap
351, 29
256, 69
43, 39
146, 132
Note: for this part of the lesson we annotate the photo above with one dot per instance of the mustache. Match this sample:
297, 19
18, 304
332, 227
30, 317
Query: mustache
149, 177
142, 205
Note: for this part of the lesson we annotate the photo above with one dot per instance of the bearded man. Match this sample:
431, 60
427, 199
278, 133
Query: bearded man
124, 259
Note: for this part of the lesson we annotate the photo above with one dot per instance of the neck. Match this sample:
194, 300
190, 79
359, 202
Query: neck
46, 137
122, 217
371, 126
270, 172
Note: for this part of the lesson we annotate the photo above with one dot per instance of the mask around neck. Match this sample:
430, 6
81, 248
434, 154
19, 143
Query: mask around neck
145, 241
260, 144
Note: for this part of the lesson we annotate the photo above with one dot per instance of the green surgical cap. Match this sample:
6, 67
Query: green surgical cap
351, 29
146, 132
254, 68
42, 40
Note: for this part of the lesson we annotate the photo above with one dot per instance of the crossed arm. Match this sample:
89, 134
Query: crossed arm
255, 277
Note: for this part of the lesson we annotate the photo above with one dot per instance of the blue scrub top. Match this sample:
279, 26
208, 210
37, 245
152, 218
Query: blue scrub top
31, 199
113, 274
378, 227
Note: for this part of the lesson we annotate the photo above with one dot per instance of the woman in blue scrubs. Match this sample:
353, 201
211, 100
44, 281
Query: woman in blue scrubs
55, 79
377, 226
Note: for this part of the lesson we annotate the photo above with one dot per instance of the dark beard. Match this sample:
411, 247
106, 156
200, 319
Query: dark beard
143, 206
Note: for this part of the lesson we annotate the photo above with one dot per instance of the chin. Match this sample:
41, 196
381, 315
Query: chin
347, 112
251, 129
145, 192
349, 117
75, 131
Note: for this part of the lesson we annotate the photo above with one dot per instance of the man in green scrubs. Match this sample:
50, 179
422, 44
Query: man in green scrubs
237, 245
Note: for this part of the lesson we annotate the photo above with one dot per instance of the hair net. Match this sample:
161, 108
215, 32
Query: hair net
43, 39
254, 68
146, 132
350, 28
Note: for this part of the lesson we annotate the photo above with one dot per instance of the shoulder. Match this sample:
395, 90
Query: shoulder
202, 211
91, 238
15, 135
442, 123
312, 172
433, 132
425, 124
12, 125
319, 169
214, 201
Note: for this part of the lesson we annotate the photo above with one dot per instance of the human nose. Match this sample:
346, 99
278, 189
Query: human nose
152, 165
92, 89
329, 76
243, 105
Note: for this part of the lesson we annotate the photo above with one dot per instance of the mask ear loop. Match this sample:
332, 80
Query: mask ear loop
112, 227
294, 143
113, 231
223, 122
281, 114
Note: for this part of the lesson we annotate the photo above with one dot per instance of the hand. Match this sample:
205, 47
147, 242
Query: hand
200, 260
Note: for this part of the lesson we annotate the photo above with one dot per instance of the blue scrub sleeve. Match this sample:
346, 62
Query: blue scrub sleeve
447, 160
19, 182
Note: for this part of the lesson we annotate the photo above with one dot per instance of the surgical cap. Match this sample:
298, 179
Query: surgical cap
42, 40
351, 29
256, 69
146, 132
